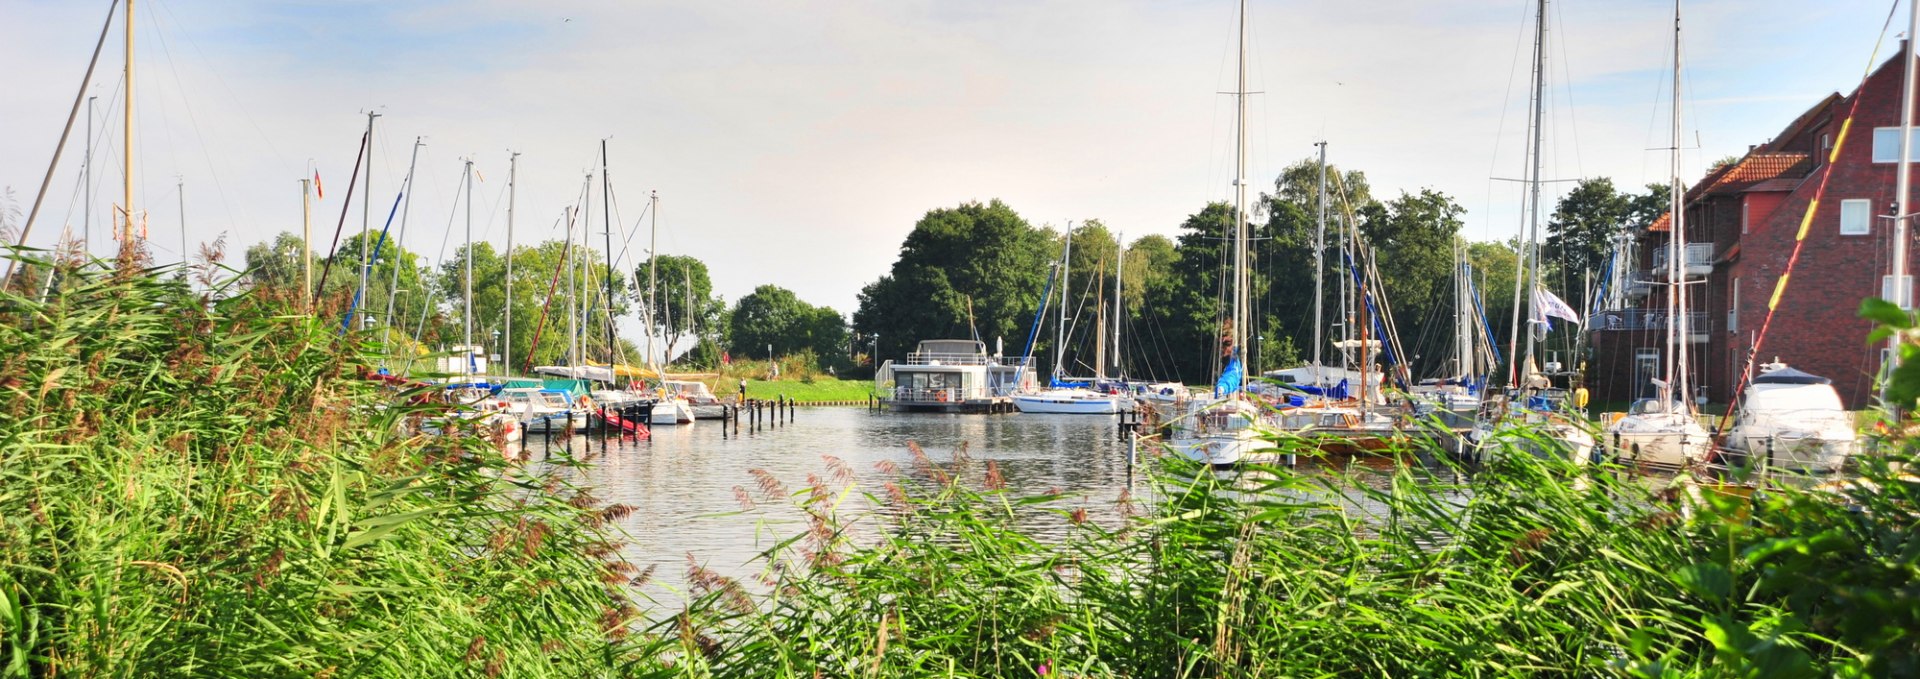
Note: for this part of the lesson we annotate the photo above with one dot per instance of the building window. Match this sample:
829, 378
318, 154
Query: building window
1887, 291
1733, 308
1856, 217
1886, 144
1743, 214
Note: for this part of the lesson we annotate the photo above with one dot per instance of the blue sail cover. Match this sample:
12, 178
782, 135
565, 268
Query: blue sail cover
1231, 378
1336, 392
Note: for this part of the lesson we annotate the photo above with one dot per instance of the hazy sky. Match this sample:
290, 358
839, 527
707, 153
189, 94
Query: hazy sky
796, 143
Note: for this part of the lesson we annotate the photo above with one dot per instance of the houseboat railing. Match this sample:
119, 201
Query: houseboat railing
938, 395
955, 358
1647, 319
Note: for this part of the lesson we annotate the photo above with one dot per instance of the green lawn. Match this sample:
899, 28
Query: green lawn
822, 389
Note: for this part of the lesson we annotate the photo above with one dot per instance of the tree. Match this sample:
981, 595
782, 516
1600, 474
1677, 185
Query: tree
974, 256
772, 316
689, 309
1189, 305
276, 264
1582, 231
1149, 260
1494, 266
543, 276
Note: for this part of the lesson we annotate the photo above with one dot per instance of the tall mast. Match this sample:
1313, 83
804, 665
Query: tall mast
579, 273
393, 281
467, 284
1319, 266
1527, 267
126, 138
1100, 327
306, 239
1902, 187
566, 259
1240, 200
606, 222
1066, 278
180, 192
1119, 270
86, 206
513, 169
1677, 249
366, 213
653, 268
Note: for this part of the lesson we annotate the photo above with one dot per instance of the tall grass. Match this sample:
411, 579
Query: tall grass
194, 484
198, 484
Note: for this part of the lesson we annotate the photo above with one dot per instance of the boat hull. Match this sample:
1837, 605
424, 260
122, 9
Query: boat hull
1069, 406
1663, 441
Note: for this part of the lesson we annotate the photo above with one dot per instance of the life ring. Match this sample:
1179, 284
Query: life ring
583, 401
940, 396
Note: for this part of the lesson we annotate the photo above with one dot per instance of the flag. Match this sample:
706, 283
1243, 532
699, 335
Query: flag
1546, 305
317, 192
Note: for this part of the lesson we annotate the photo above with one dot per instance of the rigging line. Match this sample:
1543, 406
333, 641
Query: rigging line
193, 121
79, 98
207, 67
440, 258
1566, 74
1506, 102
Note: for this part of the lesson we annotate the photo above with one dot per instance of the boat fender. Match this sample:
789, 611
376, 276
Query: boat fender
1580, 397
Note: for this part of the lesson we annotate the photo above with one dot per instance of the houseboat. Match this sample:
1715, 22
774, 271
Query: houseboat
953, 376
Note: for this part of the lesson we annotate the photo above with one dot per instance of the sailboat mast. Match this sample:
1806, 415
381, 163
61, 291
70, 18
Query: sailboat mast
126, 139
653, 270
1677, 249
1100, 329
1902, 187
1319, 266
86, 206
393, 284
1119, 269
1524, 254
1239, 334
1060, 334
467, 282
513, 169
306, 239
366, 210
606, 222
573, 301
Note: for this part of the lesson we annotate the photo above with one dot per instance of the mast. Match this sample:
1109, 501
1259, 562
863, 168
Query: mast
180, 189
467, 284
653, 270
1119, 270
506, 347
573, 358
86, 206
1100, 328
1677, 249
1902, 187
126, 137
606, 222
1319, 267
366, 214
578, 278
1066, 271
1239, 332
1526, 262
393, 281
306, 239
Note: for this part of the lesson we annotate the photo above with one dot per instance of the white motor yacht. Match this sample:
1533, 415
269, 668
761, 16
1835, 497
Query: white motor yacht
1794, 420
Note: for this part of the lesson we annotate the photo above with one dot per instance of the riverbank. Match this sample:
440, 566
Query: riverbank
819, 390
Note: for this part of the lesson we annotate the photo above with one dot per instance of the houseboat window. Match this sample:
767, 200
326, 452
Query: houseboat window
1856, 217
1886, 144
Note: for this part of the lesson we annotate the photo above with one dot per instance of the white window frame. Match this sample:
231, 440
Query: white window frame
1886, 145
1865, 208
1887, 291
1733, 308
1743, 215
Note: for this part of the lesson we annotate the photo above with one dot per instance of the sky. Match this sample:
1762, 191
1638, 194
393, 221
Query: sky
796, 143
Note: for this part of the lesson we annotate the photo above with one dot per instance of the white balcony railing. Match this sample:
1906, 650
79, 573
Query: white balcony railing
1698, 259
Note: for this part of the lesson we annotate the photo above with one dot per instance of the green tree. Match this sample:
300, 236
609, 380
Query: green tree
979, 256
1582, 231
1493, 270
276, 264
1150, 260
684, 285
543, 277
1188, 307
772, 316
1411, 242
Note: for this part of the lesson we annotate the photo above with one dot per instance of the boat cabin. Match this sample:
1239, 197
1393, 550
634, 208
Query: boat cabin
955, 376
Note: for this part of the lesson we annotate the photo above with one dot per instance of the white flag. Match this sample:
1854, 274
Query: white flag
1546, 305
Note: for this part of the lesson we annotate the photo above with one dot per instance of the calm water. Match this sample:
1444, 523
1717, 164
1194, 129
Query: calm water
682, 482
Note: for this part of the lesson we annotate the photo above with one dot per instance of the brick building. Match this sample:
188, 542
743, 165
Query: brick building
1741, 220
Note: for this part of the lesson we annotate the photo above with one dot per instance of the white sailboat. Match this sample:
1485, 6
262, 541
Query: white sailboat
1225, 429
1665, 430
1530, 418
1070, 400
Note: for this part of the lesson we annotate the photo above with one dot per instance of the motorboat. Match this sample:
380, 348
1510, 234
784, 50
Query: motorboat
700, 400
1794, 420
542, 410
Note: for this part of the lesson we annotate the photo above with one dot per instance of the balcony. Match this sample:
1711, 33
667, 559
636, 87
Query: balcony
1698, 262
1697, 325
1640, 284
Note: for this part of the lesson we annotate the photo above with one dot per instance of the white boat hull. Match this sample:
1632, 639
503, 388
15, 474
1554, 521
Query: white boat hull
1797, 450
671, 411
1552, 440
1661, 440
1042, 403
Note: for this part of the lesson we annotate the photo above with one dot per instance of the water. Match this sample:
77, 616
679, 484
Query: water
682, 482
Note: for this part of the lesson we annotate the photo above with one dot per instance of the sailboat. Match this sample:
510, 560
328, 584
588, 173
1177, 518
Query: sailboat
1531, 417
1665, 430
1062, 396
1225, 428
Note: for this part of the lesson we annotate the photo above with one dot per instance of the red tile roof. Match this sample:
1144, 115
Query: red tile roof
1757, 167
1663, 224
